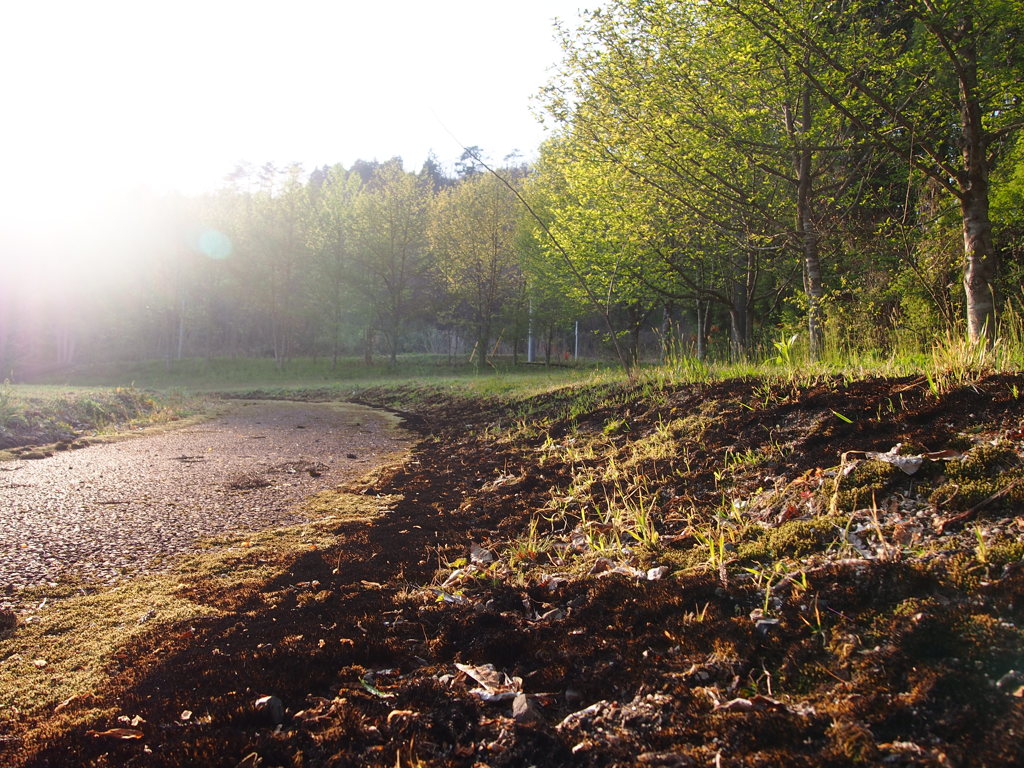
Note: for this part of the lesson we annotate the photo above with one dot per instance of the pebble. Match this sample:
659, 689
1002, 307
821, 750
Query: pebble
271, 708
524, 710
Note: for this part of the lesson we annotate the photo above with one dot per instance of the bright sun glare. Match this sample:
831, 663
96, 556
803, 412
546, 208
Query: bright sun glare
115, 99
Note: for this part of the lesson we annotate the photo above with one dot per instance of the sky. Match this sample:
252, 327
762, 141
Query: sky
101, 96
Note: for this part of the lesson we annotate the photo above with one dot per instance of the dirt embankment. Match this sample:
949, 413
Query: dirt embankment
735, 574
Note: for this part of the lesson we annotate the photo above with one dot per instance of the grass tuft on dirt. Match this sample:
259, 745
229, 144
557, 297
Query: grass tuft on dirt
36, 421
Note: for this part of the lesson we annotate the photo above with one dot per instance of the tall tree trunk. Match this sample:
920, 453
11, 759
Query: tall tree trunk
813, 285
336, 331
805, 225
750, 294
393, 339
738, 320
702, 329
979, 256
483, 340
736, 348
979, 267
666, 333
180, 352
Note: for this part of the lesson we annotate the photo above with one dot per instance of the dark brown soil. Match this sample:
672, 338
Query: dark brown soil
908, 651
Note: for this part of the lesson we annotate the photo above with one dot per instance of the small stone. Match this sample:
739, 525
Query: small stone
764, 626
272, 708
1010, 681
524, 711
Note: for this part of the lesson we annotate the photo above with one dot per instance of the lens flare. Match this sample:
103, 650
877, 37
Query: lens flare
215, 244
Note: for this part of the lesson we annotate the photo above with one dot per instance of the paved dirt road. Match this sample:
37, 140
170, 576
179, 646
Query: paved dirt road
114, 508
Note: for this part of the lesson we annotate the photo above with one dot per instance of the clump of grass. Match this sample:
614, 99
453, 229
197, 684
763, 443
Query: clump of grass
34, 415
7, 406
957, 361
530, 547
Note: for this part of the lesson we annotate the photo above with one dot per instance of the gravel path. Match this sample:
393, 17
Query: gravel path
114, 508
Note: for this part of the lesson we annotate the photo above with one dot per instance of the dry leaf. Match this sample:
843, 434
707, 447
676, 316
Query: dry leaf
907, 464
495, 686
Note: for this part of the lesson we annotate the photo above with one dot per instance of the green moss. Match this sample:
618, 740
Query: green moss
985, 471
960, 443
684, 559
866, 484
986, 640
983, 461
1005, 550
912, 606
962, 571
796, 538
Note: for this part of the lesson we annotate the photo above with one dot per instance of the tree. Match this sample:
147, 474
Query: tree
586, 249
332, 239
390, 232
433, 174
472, 235
470, 162
283, 254
725, 133
935, 82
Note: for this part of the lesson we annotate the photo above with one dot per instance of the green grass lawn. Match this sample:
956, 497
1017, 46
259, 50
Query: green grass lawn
233, 375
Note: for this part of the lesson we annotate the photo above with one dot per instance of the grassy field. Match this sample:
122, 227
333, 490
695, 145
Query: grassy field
243, 374
946, 360
95, 398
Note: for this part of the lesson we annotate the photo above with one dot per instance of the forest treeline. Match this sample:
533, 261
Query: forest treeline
719, 175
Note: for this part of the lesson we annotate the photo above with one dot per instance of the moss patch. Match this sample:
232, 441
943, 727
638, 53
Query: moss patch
990, 474
796, 538
868, 482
